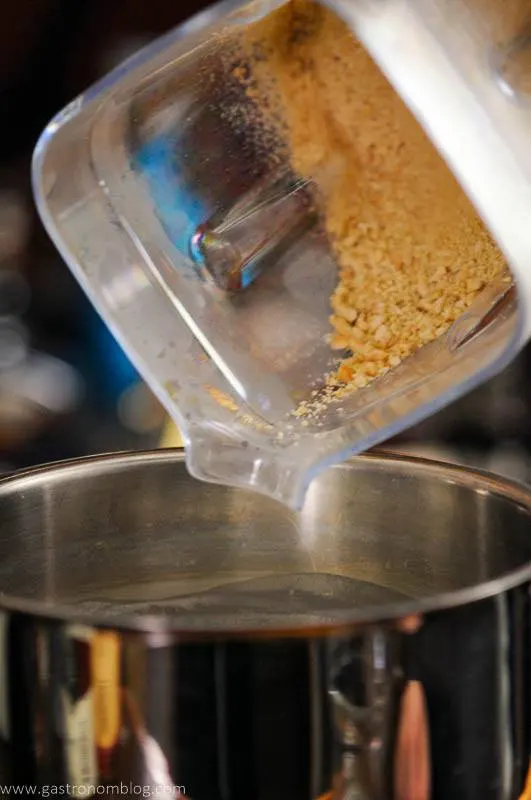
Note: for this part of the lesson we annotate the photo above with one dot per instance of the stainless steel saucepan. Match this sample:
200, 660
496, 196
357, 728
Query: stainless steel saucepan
163, 637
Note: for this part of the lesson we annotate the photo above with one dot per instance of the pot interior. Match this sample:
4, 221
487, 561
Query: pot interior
135, 535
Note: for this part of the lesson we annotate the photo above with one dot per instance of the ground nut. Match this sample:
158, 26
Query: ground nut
341, 325
382, 335
411, 251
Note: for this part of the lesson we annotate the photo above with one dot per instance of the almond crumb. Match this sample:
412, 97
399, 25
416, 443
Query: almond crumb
411, 250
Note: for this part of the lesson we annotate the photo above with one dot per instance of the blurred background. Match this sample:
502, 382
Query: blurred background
65, 387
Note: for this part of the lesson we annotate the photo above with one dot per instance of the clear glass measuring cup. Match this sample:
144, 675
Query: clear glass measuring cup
211, 268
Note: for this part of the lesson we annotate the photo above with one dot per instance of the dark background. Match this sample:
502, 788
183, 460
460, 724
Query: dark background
65, 387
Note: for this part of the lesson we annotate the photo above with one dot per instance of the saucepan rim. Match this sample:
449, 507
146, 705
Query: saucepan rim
163, 628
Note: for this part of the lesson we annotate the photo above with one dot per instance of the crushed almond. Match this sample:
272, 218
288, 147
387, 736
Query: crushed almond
412, 252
